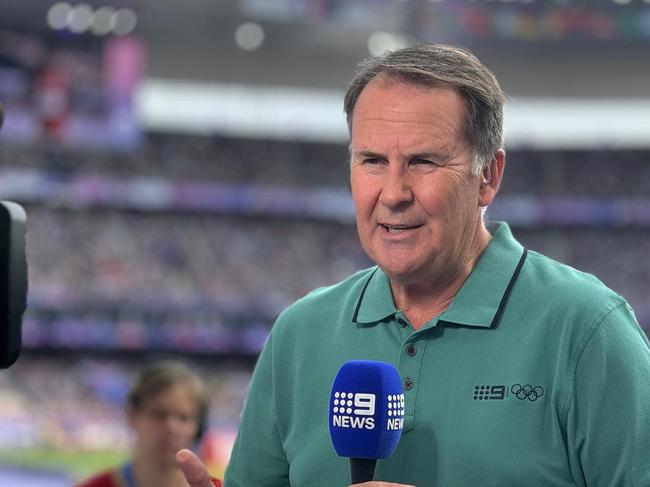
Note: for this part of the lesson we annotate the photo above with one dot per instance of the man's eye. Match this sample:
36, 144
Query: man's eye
423, 162
372, 161
423, 165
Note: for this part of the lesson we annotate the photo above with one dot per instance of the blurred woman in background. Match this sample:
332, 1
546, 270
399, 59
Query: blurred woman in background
166, 409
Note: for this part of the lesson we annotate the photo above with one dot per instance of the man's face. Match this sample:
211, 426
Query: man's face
417, 202
166, 423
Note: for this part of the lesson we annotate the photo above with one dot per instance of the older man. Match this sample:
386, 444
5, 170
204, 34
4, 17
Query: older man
517, 370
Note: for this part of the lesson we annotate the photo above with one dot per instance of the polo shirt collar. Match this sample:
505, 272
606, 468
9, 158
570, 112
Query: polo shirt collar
376, 299
479, 301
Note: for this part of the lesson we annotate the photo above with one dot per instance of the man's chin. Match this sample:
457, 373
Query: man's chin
398, 271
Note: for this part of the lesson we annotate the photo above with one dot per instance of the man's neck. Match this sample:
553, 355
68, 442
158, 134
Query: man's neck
419, 304
422, 301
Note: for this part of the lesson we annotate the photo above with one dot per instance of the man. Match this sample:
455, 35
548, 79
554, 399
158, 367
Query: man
517, 370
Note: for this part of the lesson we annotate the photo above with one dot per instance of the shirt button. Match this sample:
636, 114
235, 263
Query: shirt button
402, 322
408, 384
411, 350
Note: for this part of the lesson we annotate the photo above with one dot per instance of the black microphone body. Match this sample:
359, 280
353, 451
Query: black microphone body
362, 469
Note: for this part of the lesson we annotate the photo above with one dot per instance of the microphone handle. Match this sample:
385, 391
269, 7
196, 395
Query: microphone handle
362, 469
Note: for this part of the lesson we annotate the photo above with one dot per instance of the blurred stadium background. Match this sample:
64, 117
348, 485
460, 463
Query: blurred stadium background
183, 167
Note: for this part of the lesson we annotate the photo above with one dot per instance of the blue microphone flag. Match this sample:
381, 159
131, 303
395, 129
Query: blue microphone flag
366, 409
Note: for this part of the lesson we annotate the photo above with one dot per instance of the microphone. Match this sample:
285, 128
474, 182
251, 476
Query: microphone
366, 414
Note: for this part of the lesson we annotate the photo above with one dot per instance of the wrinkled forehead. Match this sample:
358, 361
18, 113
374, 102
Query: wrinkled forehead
408, 112
393, 96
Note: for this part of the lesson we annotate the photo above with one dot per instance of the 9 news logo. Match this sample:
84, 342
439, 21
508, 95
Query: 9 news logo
354, 410
395, 412
500, 392
357, 410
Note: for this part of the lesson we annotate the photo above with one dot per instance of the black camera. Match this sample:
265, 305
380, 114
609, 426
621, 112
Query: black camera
13, 280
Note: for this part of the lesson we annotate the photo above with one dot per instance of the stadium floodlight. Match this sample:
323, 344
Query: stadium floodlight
379, 42
125, 21
80, 18
249, 36
57, 15
104, 21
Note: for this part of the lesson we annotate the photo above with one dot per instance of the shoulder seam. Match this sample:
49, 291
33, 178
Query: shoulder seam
581, 348
278, 429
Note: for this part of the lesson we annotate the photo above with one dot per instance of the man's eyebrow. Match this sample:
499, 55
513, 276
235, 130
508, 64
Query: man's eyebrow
426, 155
438, 157
366, 153
434, 156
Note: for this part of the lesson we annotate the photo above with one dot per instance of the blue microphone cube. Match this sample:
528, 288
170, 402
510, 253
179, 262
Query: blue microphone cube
366, 409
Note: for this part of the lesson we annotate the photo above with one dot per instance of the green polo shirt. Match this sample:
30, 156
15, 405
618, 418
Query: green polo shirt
536, 375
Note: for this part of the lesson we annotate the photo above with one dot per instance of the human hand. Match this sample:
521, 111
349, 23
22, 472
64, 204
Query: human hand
192, 467
380, 484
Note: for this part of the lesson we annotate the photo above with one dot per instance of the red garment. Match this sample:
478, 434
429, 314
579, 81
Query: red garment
104, 479
107, 479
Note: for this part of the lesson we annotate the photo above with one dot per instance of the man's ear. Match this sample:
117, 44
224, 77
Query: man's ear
491, 178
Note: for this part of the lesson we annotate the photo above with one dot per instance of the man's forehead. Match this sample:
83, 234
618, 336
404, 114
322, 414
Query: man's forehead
385, 82
411, 135
381, 105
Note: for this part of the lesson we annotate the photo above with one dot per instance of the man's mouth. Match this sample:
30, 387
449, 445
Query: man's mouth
398, 228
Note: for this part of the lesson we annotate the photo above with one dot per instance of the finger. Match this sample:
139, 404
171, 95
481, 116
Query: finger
193, 469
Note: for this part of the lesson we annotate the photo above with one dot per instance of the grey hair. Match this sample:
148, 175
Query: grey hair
434, 65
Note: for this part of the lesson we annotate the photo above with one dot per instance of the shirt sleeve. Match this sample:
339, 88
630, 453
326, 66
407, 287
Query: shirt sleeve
258, 457
608, 416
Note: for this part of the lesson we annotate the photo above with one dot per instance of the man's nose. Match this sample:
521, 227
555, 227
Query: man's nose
397, 190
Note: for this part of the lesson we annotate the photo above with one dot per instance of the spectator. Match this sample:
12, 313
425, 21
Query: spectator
166, 409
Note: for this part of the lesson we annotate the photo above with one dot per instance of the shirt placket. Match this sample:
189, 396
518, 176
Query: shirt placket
409, 366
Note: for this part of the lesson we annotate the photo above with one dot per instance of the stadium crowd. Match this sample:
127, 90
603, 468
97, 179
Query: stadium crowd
202, 282
77, 405
195, 280
592, 173
211, 283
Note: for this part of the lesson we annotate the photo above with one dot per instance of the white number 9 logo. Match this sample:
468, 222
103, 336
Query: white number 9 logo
364, 404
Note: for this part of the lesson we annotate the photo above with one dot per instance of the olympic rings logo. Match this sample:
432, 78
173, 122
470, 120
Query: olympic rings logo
532, 393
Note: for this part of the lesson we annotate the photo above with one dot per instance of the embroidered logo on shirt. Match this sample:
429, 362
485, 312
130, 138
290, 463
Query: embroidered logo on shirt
526, 391
499, 392
487, 393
